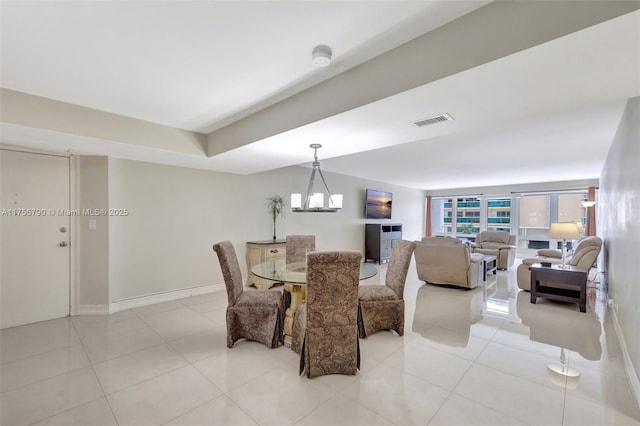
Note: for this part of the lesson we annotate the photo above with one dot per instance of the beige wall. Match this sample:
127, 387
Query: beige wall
34, 111
93, 255
619, 225
176, 214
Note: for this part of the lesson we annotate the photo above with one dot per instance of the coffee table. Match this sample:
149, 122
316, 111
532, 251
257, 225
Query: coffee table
572, 279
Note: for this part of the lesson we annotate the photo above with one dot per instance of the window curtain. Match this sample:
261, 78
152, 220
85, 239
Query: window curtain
591, 212
429, 226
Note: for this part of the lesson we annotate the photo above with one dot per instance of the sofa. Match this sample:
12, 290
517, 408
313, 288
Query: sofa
446, 260
500, 244
584, 255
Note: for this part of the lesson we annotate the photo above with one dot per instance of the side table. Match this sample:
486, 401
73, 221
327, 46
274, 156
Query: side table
489, 264
262, 251
571, 284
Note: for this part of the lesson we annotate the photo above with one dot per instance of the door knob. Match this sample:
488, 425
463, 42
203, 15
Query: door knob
63, 244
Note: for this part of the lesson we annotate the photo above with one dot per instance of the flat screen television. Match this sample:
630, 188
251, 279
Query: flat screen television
378, 204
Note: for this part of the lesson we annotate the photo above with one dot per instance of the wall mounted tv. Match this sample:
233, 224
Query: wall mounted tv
378, 204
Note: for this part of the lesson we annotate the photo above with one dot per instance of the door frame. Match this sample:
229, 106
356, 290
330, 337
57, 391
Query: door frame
74, 221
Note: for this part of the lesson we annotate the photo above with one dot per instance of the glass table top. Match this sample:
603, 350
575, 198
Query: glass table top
296, 273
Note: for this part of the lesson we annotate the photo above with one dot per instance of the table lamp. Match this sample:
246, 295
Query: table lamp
564, 231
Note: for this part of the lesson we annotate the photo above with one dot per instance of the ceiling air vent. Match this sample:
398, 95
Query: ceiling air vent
433, 120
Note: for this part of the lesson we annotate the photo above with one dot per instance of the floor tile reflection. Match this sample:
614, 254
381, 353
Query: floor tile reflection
485, 356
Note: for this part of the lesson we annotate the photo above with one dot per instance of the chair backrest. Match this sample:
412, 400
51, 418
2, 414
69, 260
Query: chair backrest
439, 260
495, 237
298, 246
333, 278
586, 252
399, 265
230, 270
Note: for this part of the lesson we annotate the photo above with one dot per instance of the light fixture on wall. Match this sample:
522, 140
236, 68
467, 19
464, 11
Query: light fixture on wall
587, 204
564, 231
314, 202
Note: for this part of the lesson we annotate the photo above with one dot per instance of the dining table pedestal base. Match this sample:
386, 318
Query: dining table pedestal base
298, 297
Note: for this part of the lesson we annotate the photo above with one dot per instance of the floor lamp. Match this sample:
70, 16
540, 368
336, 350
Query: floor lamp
564, 231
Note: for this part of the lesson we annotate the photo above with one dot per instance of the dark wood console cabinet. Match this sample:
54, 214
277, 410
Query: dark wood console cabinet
379, 239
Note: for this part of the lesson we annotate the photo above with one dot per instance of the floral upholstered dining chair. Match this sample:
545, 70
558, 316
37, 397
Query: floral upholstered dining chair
381, 307
298, 246
254, 314
330, 340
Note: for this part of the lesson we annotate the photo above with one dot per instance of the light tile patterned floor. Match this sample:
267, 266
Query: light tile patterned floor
467, 358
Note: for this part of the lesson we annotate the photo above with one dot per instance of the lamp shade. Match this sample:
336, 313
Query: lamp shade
335, 201
317, 200
564, 231
296, 201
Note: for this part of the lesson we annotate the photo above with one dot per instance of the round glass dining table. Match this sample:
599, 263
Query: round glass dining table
294, 276
296, 273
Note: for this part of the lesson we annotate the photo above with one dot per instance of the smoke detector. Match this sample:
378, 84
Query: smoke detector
321, 55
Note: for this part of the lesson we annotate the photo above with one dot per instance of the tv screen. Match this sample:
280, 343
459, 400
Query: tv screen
378, 204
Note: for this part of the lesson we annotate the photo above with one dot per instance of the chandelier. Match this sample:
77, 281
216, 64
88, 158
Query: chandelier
314, 202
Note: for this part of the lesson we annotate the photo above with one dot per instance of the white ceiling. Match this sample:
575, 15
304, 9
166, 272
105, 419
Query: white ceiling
544, 114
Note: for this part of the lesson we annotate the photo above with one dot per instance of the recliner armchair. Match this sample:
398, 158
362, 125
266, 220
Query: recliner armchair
584, 256
445, 260
500, 244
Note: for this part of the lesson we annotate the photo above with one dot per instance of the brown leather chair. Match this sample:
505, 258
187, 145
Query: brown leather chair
330, 338
381, 307
584, 256
254, 314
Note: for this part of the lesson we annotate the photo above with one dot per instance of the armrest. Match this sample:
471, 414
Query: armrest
550, 253
507, 247
474, 245
530, 261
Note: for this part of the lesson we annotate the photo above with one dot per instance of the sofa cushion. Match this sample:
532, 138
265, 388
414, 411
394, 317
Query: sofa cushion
448, 241
493, 236
376, 293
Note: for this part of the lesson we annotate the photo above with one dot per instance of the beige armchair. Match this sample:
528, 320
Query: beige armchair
496, 243
584, 256
444, 260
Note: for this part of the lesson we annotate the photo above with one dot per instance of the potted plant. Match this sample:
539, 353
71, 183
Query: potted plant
276, 208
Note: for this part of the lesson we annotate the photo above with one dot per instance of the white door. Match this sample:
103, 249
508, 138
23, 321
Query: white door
34, 238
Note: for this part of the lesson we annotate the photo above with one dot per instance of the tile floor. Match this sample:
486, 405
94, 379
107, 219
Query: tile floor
475, 357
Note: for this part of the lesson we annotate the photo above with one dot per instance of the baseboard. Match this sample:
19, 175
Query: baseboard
167, 296
92, 310
629, 369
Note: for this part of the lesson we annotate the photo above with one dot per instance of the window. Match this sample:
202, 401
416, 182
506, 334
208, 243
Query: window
499, 214
528, 215
467, 216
